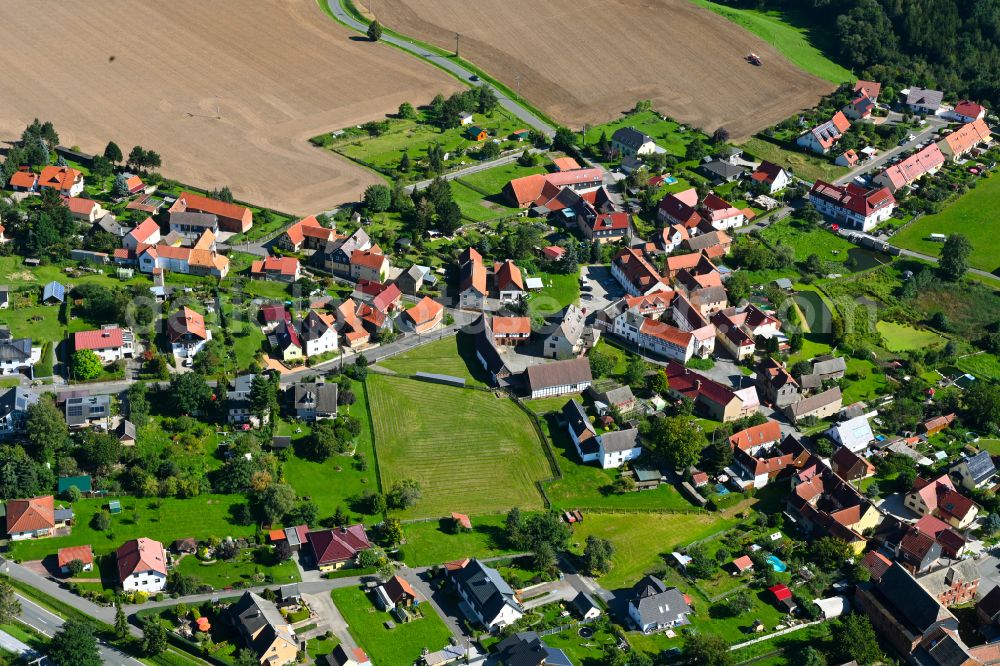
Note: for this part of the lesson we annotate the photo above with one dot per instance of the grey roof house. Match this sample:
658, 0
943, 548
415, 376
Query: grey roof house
526, 648
82, 411
975, 471
314, 400
721, 172
487, 596
655, 607
14, 403
565, 339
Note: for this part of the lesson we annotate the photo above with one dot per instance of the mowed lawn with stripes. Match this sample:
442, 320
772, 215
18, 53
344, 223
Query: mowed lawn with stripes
470, 451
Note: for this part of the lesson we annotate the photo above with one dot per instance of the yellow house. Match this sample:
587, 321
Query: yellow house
264, 630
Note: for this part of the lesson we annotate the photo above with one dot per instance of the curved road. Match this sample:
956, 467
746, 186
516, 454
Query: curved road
444, 63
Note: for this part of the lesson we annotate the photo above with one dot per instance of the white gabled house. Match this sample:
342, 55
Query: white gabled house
142, 565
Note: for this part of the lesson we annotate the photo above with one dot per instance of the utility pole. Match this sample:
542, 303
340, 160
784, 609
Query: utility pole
457, 36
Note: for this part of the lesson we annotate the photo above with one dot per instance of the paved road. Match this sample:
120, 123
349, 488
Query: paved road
934, 260
446, 63
933, 125
473, 168
10, 644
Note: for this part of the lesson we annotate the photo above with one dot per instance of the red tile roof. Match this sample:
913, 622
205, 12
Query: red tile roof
339, 544
508, 276
876, 563
853, 198
61, 178
870, 88
637, 270
780, 591
25, 179
766, 172
66, 555
969, 109
105, 338
186, 322
759, 435
689, 383
79, 205
665, 332
462, 520
311, 227
284, 265
425, 311
742, 563
368, 259
916, 165
387, 298
138, 555
29, 515
142, 232
967, 137
198, 203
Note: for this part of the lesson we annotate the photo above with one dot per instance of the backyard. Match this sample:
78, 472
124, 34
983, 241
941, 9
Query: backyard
451, 440
808, 167
240, 571
435, 541
404, 643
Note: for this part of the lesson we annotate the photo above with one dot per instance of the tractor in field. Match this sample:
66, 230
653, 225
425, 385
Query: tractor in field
753, 59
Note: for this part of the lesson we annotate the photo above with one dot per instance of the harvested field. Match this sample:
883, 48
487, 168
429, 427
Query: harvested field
159, 74
586, 61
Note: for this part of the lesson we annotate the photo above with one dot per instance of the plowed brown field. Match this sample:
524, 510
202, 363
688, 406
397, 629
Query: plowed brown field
158, 73
586, 61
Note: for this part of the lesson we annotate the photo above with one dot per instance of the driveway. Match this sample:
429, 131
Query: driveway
893, 505
604, 290
547, 593
328, 615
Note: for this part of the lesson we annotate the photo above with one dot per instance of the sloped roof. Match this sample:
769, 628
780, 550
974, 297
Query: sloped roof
559, 373
186, 322
339, 544
426, 310
104, 338
138, 555
29, 515
759, 435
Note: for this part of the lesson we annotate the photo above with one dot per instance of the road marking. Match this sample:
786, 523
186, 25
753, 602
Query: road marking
47, 612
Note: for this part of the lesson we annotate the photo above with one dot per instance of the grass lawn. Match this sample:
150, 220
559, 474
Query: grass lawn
163, 519
453, 355
973, 214
781, 30
664, 132
223, 575
984, 365
559, 291
642, 541
328, 486
900, 337
867, 385
433, 542
40, 323
470, 451
809, 167
493, 180
475, 206
401, 645
806, 239
318, 647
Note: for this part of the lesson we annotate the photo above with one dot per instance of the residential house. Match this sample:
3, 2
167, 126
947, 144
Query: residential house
720, 214
146, 233
411, 281
142, 565
953, 585
922, 101
775, 384
318, 334
334, 548
716, 401
934, 425
939, 498
278, 269
976, 471
472, 280
239, 409
680, 208
87, 210
761, 455
821, 138
772, 176
306, 234
966, 111
23, 180
952, 541
509, 331
396, 593
655, 337
823, 504
190, 226
852, 206
741, 327
14, 403
720, 171
31, 518
82, 554
336, 255
966, 138
17, 355
314, 401
848, 158
820, 406
197, 260
669, 238
508, 282
285, 341
369, 265
620, 399
652, 606
110, 343
425, 316
860, 107
606, 227
53, 293
264, 630
526, 648
538, 190
352, 329
487, 353
126, 433
876, 563
88, 410
558, 377
610, 450
854, 434
231, 217
850, 466
827, 368
486, 595
567, 337
923, 162
630, 142
63, 179
635, 274
187, 333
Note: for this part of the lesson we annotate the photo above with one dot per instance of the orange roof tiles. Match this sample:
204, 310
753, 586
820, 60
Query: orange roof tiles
968, 136
508, 276
105, 338
284, 265
368, 259
66, 555
142, 232
198, 203
139, 555
426, 310
30, 515
61, 178
186, 322
79, 205
759, 435
25, 179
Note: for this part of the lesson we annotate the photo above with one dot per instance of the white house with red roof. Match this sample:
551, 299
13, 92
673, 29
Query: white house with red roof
65, 180
231, 217
852, 206
318, 333
508, 281
278, 269
965, 139
306, 234
369, 265
924, 162
821, 138
142, 565
966, 111
773, 176
111, 343
636, 274
83, 209
30, 518
606, 227
187, 333
147, 233
721, 214
23, 180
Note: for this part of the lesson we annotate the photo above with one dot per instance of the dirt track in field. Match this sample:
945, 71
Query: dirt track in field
276, 71
586, 61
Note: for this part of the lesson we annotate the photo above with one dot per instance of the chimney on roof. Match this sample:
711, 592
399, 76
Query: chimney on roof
697, 384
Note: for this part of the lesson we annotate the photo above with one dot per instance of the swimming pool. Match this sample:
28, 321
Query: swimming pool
721, 489
777, 564
669, 180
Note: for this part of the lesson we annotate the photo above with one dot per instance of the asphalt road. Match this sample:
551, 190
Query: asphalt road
933, 125
446, 63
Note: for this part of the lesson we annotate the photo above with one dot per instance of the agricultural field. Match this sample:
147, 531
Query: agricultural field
163, 519
400, 645
781, 30
470, 451
806, 166
243, 122
974, 215
705, 92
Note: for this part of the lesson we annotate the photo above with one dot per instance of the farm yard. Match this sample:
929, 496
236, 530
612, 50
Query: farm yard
478, 455
244, 121
705, 92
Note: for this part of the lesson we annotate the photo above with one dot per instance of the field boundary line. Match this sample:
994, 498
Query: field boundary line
371, 430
